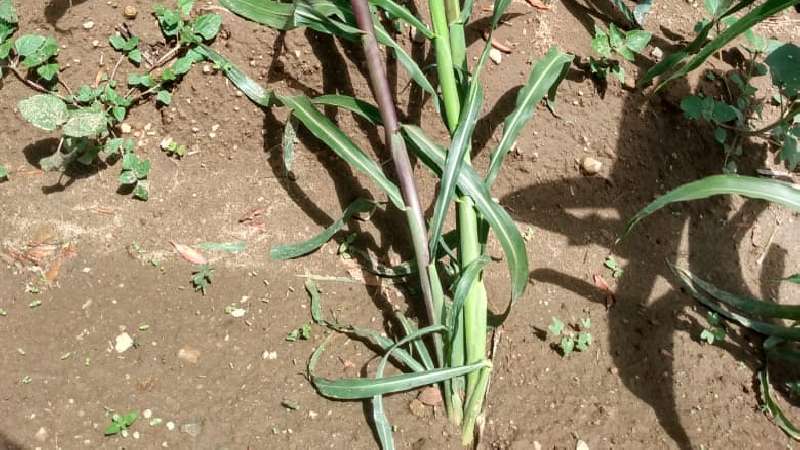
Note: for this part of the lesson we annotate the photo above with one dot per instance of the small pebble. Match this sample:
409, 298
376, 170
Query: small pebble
147, 413
88, 25
581, 445
95, 43
125, 128
657, 53
41, 435
189, 355
496, 55
130, 12
591, 166
170, 425
123, 343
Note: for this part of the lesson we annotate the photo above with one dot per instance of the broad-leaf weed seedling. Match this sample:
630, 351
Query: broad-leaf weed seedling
302, 333
615, 42
611, 264
569, 340
716, 331
201, 278
88, 116
120, 423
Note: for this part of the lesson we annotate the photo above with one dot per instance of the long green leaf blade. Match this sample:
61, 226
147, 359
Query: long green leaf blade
413, 69
401, 12
546, 74
361, 388
501, 223
459, 148
772, 407
266, 12
776, 191
756, 15
247, 85
463, 285
746, 305
359, 107
289, 251
326, 131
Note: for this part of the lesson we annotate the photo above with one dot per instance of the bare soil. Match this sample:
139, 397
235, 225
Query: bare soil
647, 381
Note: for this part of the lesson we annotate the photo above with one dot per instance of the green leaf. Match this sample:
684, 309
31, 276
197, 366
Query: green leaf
3, 172
85, 122
207, 26
250, 88
623, 8
793, 278
600, 42
48, 49
720, 135
401, 12
567, 344
461, 292
361, 388
459, 149
773, 408
359, 107
616, 38
500, 222
637, 40
288, 143
7, 12
692, 107
273, 14
168, 19
48, 71
117, 41
164, 97
185, 7
326, 131
113, 429
142, 190
776, 191
707, 336
44, 111
411, 66
784, 65
27, 44
119, 113
723, 112
545, 76
289, 251
135, 56
754, 16
127, 177
556, 327
583, 342
229, 247
143, 80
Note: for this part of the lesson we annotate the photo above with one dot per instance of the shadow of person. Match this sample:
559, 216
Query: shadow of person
56, 9
654, 151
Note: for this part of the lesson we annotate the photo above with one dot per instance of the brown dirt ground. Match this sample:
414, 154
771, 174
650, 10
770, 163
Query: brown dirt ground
646, 383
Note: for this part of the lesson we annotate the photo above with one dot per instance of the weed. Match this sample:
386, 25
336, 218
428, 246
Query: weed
716, 332
87, 117
201, 278
120, 423
615, 42
570, 340
611, 264
302, 333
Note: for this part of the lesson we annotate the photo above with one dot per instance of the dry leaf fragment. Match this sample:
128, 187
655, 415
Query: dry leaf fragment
190, 254
496, 44
601, 284
538, 4
430, 396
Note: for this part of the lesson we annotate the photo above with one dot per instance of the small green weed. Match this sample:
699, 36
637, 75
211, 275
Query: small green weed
611, 264
580, 339
716, 332
201, 278
615, 42
121, 423
302, 333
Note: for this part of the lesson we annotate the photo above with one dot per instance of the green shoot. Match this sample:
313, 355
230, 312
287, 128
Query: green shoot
611, 264
716, 332
120, 423
570, 341
615, 42
201, 278
302, 333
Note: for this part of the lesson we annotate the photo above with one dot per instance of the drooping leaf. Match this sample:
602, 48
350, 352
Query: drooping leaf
267, 12
773, 408
776, 191
544, 78
626, 12
247, 85
326, 131
500, 222
361, 388
44, 111
289, 251
402, 13
359, 107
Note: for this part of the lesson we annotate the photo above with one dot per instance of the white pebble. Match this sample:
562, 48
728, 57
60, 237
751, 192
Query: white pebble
170, 425
88, 25
495, 55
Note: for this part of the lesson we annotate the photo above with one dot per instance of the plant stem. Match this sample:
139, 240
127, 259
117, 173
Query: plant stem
458, 47
403, 169
444, 64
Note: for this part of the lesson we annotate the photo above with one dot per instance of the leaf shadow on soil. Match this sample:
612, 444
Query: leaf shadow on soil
655, 151
46, 147
56, 9
6, 443
345, 184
